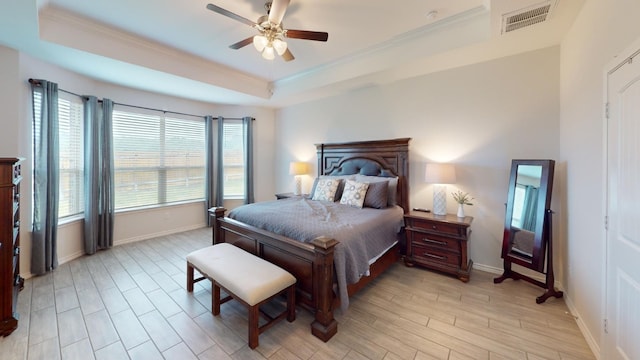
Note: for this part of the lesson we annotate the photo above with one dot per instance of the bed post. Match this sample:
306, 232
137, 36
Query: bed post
217, 213
324, 326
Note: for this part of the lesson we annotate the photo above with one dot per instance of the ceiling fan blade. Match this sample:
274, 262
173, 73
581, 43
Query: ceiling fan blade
287, 56
242, 43
307, 35
278, 8
228, 13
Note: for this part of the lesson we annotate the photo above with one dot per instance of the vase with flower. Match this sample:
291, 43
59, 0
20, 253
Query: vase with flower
462, 199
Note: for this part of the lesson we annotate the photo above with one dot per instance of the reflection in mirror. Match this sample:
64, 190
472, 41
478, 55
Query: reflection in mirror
525, 206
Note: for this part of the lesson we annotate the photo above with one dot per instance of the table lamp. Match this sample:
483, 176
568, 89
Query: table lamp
298, 168
440, 175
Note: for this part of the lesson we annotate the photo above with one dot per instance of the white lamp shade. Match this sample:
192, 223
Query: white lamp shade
280, 46
259, 42
436, 173
298, 168
268, 53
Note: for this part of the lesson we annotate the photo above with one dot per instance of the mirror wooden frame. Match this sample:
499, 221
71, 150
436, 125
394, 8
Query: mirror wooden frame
539, 250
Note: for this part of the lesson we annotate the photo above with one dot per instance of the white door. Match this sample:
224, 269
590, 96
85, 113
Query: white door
622, 327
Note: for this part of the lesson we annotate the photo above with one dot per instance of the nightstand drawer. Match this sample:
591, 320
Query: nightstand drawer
426, 239
431, 254
440, 227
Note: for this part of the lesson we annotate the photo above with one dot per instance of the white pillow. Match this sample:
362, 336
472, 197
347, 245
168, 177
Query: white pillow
354, 193
325, 189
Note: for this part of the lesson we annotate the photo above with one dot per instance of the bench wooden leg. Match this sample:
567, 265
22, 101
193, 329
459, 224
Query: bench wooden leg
291, 303
189, 278
215, 298
254, 331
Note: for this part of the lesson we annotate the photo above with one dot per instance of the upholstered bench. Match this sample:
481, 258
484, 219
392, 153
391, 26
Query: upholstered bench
246, 278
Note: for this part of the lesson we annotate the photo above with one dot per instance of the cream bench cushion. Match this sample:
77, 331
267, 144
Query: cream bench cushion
247, 276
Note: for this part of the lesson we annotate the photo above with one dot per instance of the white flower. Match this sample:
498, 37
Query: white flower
462, 198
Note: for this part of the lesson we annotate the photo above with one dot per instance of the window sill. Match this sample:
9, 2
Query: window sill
80, 217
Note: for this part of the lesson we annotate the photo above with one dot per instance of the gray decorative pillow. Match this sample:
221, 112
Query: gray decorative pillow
354, 193
326, 189
377, 195
392, 188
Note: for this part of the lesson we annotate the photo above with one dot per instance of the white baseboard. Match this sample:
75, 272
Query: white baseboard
61, 261
78, 254
70, 257
486, 268
588, 337
158, 234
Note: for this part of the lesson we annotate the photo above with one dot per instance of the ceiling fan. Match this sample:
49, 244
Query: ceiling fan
271, 39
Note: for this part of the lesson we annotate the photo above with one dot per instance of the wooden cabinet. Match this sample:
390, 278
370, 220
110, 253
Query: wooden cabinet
438, 242
10, 281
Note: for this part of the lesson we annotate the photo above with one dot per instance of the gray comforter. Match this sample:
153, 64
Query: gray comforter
363, 234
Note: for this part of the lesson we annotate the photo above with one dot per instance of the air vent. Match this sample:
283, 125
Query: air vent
526, 17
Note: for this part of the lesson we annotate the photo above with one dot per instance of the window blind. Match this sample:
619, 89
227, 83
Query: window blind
71, 135
70, 140
233, 159
157, 159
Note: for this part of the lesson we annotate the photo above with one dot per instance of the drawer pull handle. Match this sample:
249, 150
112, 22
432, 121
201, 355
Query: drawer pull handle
435, 256
436, 242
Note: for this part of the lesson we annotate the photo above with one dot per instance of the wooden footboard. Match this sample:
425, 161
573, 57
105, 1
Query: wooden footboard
311, 264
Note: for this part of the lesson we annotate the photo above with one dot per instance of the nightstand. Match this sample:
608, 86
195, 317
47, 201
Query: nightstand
438, 242
288, 195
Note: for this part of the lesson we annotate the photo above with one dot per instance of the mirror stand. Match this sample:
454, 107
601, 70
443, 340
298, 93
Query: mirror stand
550, 279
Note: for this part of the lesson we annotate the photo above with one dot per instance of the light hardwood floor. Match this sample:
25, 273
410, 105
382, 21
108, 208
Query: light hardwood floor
131, 302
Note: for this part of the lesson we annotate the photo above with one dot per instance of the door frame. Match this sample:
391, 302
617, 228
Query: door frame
631, 52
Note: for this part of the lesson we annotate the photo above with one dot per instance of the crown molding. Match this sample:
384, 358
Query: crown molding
67, 29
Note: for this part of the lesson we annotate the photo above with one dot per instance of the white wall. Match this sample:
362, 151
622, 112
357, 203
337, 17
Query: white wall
9, 95
602, 30
479, 117
15, 139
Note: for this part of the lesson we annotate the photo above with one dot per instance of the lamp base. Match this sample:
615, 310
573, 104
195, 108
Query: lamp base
439, 200
298, 189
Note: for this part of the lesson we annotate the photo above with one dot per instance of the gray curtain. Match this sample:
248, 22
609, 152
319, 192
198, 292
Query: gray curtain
219, 172
247, 123
210, 166
529, 208
98, 175
214, 189
46, 179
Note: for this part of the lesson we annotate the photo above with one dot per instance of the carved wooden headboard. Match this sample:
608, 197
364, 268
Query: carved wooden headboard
386, 158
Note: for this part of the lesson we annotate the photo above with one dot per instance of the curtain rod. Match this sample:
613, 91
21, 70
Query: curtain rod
38, 83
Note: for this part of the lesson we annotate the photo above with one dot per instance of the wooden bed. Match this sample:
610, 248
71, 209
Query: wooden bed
312, 263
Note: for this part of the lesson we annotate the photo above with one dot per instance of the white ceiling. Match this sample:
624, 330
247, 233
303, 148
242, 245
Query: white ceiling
180, 48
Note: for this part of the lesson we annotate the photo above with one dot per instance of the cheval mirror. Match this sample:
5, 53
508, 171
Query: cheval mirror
527, 228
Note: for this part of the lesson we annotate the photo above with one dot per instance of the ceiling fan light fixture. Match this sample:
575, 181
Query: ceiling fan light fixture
272, 34
280, 46
268, 53
260, 42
